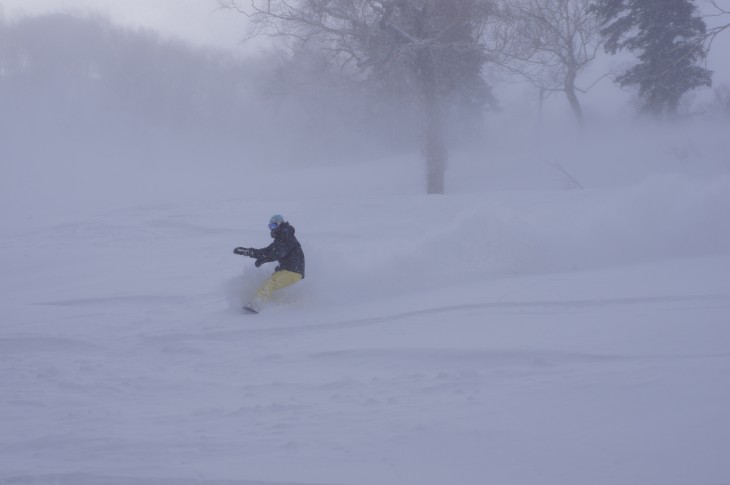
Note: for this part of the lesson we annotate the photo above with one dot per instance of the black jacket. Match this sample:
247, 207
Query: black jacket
285, 249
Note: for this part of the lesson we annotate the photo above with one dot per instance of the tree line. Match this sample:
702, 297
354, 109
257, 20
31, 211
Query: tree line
437, 49
82, 88
350, 77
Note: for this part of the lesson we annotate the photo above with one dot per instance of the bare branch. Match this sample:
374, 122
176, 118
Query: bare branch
547, 42
422, 43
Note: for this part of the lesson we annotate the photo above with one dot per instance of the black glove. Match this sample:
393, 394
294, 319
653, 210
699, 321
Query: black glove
242, 251
259, 262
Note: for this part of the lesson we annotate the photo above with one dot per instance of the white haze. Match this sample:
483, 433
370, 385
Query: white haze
196, 21
560, 316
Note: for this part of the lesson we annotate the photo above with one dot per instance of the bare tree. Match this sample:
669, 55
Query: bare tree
548, 43
431, 43
715, 15
716, 11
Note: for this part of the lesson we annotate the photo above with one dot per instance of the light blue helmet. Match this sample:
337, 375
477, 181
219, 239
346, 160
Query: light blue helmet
275, 221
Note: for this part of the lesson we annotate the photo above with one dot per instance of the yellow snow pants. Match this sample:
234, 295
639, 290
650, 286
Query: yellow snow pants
277, 281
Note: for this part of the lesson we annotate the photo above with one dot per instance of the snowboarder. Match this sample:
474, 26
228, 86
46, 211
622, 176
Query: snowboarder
286, 250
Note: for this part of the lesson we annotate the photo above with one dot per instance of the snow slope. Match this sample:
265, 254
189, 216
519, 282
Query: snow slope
520, 337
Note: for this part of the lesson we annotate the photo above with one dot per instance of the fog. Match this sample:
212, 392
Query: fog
96, 112
97, 115
559, 315
107, 111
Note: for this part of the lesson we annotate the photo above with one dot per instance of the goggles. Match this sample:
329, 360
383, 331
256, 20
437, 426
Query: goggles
273, 226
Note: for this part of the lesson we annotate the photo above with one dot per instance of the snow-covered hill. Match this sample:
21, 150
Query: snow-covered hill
517, 337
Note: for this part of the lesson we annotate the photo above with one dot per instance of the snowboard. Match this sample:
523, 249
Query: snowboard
250, 309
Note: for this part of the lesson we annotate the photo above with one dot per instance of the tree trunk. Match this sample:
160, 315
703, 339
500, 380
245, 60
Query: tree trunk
541, 103
572, 97
435, 147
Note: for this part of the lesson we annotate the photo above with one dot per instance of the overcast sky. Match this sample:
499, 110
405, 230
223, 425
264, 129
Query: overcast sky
201, 22
197, 21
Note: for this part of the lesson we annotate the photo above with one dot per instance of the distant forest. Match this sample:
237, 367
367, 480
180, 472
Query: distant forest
87, 88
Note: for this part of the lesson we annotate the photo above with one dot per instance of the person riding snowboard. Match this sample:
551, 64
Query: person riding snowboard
286, 250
